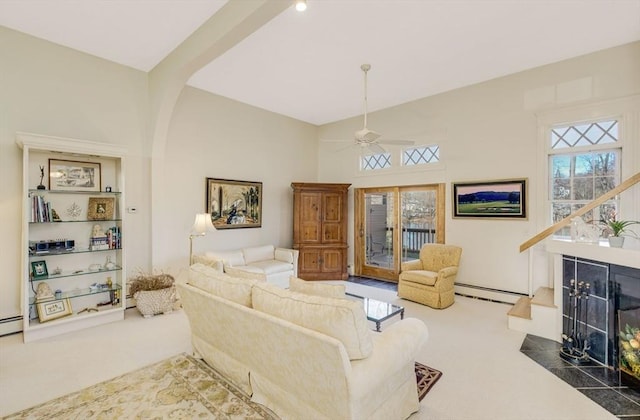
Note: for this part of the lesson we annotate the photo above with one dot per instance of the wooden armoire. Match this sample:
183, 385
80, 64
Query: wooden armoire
320, 230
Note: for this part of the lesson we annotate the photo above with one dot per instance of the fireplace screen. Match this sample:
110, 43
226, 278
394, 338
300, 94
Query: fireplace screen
629, 342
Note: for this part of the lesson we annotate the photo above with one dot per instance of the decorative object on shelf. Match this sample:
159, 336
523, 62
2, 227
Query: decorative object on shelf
41, 185
100, 208
583, 232
615, 230
55, 216
154, 294
95, 267
54, 309
98, 241
57, 271
58, 294
74, 211
69, 175
39, 269
201, 226
44, 292
107, 189
109, 282
502, 199
108, 264
234, 204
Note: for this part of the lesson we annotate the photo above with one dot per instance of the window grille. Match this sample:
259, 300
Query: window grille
421, 155
377, 161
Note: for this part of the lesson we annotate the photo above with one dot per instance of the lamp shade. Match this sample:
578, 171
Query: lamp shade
202, 225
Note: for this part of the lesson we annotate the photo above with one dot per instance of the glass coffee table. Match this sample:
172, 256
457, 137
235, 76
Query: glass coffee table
378, 311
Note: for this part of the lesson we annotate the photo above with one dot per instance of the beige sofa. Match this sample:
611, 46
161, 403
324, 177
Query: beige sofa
264, 262
302, 355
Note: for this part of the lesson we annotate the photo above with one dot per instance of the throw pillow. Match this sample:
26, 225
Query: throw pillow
314, 288
206, 278
342, 319
212, 262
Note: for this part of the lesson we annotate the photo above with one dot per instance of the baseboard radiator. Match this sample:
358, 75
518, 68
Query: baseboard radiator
10, 325
487, 293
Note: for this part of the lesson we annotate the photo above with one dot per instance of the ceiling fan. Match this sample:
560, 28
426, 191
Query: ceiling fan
369, 140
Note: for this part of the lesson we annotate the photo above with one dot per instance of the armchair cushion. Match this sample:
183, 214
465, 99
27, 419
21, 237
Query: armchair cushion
420, 276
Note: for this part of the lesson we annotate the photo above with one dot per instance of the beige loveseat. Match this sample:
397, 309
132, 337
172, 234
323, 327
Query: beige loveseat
302, 355
264, 262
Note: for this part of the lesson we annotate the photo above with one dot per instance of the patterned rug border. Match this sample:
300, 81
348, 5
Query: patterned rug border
426, 378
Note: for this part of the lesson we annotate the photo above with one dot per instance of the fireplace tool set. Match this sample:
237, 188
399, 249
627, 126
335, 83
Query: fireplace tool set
574, 334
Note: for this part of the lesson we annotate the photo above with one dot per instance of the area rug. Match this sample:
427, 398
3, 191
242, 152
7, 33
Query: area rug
426, 377
181, 387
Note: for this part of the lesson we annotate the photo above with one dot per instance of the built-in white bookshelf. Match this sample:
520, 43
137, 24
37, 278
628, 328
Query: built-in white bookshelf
73, 234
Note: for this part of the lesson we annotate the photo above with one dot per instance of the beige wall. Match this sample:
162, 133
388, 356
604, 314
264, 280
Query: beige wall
490, 131
52, 90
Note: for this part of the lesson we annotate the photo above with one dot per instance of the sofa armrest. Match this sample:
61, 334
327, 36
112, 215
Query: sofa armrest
411, 265
289, 256
395, 347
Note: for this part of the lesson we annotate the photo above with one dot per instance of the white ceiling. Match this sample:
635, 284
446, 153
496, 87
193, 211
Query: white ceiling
307, 65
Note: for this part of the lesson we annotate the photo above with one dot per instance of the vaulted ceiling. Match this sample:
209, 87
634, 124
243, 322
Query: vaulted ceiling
306, 65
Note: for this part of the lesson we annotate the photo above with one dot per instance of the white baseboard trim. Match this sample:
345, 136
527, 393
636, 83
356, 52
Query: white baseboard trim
502, 296
10, 325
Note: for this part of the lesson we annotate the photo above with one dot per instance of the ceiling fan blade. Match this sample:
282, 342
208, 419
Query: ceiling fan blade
372, 149
398, 142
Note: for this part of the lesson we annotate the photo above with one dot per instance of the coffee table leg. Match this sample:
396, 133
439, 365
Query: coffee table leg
402, 314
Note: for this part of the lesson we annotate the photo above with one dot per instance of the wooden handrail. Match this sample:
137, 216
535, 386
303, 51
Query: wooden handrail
590, 206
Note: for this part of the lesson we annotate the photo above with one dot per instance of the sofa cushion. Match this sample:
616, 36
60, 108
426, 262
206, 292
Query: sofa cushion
246, 272
211, 281
420, 276
342, 319
258, 253
229, 258
214, 263
318, 289
271, 266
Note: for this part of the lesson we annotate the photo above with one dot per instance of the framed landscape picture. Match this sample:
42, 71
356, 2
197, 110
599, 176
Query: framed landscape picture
71, 175
502, 199
234, 204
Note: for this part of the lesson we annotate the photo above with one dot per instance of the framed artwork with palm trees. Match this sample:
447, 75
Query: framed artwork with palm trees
234, 204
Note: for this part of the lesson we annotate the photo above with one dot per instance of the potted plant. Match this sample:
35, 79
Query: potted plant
154, 294
616, 230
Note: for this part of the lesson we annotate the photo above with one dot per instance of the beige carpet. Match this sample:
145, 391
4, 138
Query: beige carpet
179, 388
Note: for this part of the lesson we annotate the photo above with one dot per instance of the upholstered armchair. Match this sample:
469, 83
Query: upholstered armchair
430, 279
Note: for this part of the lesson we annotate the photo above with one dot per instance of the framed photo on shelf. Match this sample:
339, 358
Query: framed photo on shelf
234, 204
100, 208
71, 175
501, 199
39, 269
54, 309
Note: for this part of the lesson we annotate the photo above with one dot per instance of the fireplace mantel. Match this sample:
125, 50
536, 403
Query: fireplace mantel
596, 252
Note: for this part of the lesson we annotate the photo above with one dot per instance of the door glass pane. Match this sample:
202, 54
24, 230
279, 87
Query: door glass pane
379, 229
418, 210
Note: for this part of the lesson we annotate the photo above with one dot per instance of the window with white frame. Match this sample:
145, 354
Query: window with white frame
584, 163
421, 155
376, 161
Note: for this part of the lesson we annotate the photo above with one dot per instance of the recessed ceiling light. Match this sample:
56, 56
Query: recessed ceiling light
301, 5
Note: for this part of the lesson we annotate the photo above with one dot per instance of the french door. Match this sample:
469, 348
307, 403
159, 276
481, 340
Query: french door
392, 224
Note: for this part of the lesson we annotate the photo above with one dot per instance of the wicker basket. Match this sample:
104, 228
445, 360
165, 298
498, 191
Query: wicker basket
153, 302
